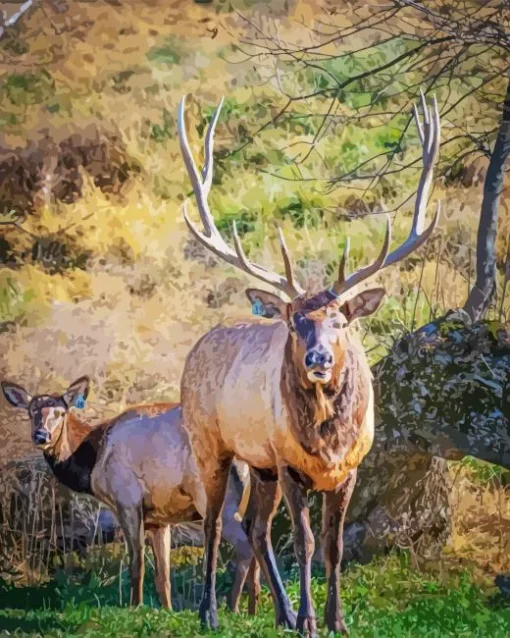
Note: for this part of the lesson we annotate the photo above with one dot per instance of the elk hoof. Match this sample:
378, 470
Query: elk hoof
337, 626
286, 619
252, 607
233, 603
307, 626
208, 618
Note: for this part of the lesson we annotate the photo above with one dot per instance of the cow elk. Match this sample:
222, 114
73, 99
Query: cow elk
289, 392
140, 465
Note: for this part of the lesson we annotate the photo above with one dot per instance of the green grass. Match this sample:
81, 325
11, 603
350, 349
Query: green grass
387, 598
482, 472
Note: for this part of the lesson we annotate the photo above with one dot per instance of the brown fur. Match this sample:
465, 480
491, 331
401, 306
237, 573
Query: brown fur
78, 430
327, 419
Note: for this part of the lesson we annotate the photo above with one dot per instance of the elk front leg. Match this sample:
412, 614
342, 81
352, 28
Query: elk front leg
295, 493
265, 496
131, 521
334, 508
215, 484
161, 541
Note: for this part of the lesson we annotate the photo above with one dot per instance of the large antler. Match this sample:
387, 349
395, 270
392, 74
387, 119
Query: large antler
429, 138
211, 237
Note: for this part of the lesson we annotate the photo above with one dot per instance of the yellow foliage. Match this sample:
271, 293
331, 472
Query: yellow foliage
46, 289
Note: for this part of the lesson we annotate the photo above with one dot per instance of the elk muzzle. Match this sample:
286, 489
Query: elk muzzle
41, 437
318, 363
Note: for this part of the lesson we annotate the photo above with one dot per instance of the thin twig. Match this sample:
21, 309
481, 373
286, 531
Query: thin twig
11, 21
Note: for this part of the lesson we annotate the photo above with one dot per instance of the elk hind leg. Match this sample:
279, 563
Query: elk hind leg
131, 521
253, 586
161, 539
234, 533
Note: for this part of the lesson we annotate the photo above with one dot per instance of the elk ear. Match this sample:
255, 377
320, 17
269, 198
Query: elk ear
17, 396
266, 304
77, 392
363, 304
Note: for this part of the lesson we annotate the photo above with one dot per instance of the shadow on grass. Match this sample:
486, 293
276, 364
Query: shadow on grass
499, 601
67, 605
42, 596
36, 624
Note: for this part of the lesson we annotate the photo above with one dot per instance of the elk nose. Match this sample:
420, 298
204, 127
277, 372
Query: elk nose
316, 358
41, 437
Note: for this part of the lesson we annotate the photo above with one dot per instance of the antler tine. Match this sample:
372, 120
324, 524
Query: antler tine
210, 237
200, 190
286, 285
207, 171
343, 262
430, 146
289, 270
244, 262
418, 124
429, 123
429, 134
343, 283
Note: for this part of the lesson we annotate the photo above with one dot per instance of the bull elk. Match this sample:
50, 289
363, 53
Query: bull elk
289, 392
140, 465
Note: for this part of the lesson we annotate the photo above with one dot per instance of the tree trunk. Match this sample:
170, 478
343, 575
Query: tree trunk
485, 284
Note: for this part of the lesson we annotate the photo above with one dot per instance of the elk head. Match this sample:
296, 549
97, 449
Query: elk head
48, 413
317, 327
317, 323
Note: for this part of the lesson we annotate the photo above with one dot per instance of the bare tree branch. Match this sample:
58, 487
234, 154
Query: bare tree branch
11, 20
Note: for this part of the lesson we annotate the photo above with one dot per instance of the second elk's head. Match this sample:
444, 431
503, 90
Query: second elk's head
48, 412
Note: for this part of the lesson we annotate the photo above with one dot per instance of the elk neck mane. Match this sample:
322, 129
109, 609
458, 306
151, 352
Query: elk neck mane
74, 456
327, 418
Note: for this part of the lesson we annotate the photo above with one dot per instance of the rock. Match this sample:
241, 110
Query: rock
502, 582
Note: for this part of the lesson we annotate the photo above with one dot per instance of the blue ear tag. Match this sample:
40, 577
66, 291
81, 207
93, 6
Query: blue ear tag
79, 402
257, 308
332, 293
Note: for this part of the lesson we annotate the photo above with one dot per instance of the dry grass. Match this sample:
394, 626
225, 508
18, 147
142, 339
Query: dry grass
40, 521
481, 522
